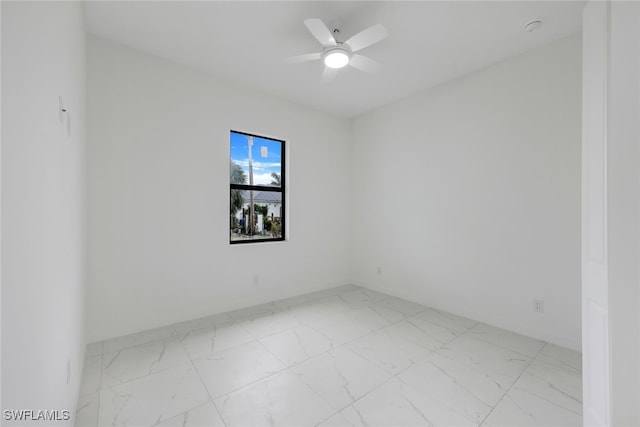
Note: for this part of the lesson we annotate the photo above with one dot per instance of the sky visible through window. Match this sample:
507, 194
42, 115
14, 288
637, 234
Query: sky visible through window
265, 155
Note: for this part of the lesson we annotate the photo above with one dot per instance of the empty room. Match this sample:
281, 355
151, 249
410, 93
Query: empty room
320, 213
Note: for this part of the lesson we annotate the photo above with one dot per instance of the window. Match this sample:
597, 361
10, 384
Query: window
257, 183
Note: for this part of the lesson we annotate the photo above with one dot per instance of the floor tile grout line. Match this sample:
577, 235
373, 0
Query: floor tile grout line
96, 392
322, 398
299, 324
274, 355
195, 369
349, 309
426, 358
339, 345
215, 327
405, 318
228, 313
127, 347
512, 384
459, 335
371, 332
362, 397
551, 402
255, 338
287, 307
429, 395
252, 383
142, 376
561, 364
444, 344
391, 377
241, 321
100, 386
503, 347
299, 362
248, 385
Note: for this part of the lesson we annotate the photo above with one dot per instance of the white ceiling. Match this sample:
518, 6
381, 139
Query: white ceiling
246, 42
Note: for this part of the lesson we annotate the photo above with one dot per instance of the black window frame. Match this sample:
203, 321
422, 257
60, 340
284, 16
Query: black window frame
267, 188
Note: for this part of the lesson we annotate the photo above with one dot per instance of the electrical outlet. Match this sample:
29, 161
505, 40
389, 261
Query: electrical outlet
379, 270
256, 280
538, 305
68, 370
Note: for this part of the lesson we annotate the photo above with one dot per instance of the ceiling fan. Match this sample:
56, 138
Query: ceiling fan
337, 54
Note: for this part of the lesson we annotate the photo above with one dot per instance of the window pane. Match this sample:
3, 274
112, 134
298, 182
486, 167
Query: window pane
257, 186
255, 160
267, 215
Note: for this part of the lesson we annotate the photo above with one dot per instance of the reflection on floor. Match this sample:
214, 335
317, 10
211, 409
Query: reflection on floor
348, 356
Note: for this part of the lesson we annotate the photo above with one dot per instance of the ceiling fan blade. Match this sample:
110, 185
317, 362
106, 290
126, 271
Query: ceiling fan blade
367, 37
320, 32
363, 63
303, 58
329, 74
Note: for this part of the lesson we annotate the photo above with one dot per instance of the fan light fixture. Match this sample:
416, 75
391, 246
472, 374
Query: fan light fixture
336, 58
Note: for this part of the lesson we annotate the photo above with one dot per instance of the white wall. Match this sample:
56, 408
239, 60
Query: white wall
43, 48
467, 196
158, 174
623, 209
0, 210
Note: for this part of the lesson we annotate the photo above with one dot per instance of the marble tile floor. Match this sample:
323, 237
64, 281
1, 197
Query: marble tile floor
347, 356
